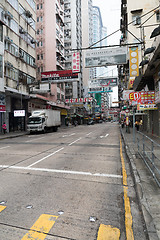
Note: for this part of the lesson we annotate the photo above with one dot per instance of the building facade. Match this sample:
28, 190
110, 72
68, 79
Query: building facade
139, 19
17, 59
73, 40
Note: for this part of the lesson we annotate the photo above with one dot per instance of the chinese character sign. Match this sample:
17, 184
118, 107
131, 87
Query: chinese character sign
76, 62
133, 61
146, 97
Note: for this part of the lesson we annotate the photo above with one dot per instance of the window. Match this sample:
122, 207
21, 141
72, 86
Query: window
41, 5
1, 33
158, 16
37, 57
37, 6
41, 56
41, 18
136, 19
1, 66
37, 19
14, 4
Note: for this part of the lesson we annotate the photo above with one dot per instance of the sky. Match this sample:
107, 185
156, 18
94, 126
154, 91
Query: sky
110, 12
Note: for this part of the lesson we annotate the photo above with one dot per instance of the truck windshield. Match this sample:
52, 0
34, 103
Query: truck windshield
34, 120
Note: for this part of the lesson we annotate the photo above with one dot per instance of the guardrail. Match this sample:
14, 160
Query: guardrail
149, 150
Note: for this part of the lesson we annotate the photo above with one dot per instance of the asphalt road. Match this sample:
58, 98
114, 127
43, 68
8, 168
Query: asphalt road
67, 185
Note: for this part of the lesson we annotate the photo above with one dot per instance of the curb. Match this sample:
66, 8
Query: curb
148, 220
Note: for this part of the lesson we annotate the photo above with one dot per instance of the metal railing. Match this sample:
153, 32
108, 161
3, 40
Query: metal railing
149, 150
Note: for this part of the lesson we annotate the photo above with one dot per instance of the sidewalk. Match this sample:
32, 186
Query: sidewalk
148, 192
12, 134
21, 133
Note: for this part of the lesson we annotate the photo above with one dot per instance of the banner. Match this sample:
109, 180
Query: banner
105, 57
133, 62
76, 62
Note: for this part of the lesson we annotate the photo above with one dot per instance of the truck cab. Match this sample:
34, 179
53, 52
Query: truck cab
36, 123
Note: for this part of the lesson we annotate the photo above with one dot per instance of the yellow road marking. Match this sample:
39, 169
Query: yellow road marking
2, 208
41, 227
128, 215
108, 233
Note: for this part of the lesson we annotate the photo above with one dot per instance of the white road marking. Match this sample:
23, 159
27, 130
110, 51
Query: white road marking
63, 171
69, 135
34, 139
88, 134
75, 141
104, 136
4, 147
45, 157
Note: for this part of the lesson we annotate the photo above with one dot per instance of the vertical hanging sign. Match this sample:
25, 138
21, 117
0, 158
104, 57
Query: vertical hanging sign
76, 62
133, 61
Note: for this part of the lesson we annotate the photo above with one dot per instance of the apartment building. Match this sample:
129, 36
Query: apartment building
50, 50
87, 40
73, 40
17, 59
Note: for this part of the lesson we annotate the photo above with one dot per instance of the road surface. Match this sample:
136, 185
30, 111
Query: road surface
72, 184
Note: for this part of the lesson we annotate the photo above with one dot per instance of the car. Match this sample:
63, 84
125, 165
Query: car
90, 122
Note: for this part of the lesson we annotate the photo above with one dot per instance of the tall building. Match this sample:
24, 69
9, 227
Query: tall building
87, 40
99, 32
50, 52
17, 59
49, 36
73, 40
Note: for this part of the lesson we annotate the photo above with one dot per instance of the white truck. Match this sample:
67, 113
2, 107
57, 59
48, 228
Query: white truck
44, 120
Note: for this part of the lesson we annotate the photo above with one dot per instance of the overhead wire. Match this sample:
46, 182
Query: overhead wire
91, 46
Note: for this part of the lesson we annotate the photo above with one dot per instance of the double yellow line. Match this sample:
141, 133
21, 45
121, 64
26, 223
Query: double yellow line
128, 215
109, 232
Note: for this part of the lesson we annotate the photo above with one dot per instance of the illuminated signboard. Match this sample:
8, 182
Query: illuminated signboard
59, 76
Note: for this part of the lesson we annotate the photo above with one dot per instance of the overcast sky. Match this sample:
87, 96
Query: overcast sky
110, 12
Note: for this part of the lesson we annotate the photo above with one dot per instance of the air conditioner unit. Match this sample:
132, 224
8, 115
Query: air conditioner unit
7, 38
22, 31
28, 14
125, 6
33, 41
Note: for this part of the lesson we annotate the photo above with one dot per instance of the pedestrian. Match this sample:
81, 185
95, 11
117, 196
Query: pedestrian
137, 125
4, 127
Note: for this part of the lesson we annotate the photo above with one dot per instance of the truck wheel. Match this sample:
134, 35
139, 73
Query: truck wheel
55, 129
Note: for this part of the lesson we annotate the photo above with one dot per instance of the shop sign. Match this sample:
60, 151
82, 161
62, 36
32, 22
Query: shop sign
63, 112
2, 103
144, 97
126, 94
133, 61
2, 108
76, 62
130, 83
79, 100
19, 113
143, 107
59, 76
157, 92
